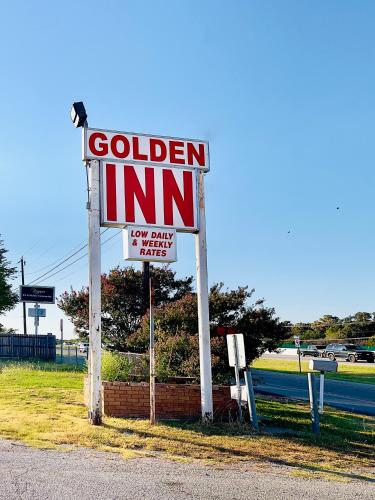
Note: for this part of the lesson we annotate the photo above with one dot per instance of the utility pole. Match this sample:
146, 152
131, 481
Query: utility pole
23, 263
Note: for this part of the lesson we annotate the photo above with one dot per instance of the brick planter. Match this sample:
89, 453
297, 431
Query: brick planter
130, 399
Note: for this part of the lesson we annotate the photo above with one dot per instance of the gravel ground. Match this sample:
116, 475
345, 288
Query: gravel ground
85, 474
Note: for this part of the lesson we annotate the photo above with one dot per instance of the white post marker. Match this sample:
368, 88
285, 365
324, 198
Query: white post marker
203, 311
95, 407
321, 393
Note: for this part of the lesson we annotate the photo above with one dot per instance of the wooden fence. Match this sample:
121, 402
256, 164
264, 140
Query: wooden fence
28, 347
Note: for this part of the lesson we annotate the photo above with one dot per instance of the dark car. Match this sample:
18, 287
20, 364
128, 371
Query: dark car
310, 350
349, 352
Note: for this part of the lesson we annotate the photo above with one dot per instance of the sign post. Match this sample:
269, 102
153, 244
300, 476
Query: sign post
152, 356
36, 318
313, 403
203, 312
297, 342
62, 338
95, 407
251, 400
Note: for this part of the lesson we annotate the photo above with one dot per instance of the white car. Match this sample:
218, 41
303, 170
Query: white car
83, 348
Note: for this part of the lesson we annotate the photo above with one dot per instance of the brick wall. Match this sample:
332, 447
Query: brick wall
130, 399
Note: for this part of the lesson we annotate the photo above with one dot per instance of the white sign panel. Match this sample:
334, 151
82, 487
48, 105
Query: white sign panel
144, 149
297, 341
150, 244
145, 195
36, 312
232, 341
234, 393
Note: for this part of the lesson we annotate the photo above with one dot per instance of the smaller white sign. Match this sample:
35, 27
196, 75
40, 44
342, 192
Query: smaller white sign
234, 393
232, 342
297, 341
154, 244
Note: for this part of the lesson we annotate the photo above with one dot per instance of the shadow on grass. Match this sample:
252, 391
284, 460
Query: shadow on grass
220, 431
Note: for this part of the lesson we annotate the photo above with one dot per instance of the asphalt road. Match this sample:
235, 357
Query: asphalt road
356, 397
28, 473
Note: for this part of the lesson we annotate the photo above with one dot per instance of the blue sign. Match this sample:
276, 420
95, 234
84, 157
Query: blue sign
36, 312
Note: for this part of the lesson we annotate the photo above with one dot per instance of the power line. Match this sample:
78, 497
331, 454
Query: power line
71, 263
63, 261
55, 261
66, 255
58, 265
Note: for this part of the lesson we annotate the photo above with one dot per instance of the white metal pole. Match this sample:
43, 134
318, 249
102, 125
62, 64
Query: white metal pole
95, 407
62, 338
36, 318
321, 393
313, 395
203, 311
251, 399
152, 355
238, 381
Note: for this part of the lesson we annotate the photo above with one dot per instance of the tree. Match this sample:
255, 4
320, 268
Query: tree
122, 302
8, 298
176, 331
321, 325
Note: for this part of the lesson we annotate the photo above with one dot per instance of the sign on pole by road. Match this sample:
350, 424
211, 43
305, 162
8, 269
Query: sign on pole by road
297, 343
236, 342
149, 244
157, 182
44, 294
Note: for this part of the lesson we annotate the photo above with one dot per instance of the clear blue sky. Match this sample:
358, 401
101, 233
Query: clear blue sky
284, 92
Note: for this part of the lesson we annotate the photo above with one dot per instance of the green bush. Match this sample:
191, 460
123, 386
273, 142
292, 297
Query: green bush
371, 341
116, 367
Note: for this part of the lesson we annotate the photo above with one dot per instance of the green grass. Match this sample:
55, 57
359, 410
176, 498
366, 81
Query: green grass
361, 372
45, 409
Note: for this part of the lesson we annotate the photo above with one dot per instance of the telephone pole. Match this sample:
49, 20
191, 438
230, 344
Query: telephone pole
23, 263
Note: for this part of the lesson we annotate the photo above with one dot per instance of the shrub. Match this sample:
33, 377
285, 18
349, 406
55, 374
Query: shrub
371, 341
116, 367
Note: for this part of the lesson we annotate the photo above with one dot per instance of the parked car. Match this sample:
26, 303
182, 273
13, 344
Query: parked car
310, 350
349, 352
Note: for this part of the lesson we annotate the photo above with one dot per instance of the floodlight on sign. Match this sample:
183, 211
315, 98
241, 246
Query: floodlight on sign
78, 114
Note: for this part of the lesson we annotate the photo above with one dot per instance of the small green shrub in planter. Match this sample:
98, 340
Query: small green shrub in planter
116, 367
